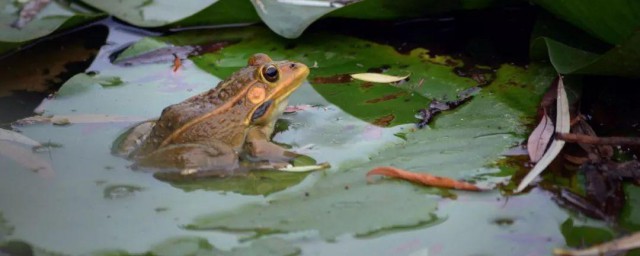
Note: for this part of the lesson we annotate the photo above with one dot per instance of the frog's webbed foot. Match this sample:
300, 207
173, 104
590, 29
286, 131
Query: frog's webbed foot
263, 150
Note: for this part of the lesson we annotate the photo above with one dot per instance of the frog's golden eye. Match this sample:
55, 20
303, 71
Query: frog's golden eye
270, 73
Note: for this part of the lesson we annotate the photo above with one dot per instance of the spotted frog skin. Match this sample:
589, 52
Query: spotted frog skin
208, 134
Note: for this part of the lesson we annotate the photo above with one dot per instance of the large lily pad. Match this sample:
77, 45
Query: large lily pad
476, 133
55, 16
151, 13
572, 52
200, 246
337, 203
612, 22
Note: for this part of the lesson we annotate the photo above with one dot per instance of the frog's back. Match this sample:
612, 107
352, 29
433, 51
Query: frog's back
195, 114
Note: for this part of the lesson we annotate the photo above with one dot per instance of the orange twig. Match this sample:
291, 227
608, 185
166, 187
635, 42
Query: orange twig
421, 178
177, 63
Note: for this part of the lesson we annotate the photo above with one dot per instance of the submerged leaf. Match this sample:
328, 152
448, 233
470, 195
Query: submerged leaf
563, 124
80, 119
18, 138
145, 13
539, 138
422, 178
378, 78
26, 158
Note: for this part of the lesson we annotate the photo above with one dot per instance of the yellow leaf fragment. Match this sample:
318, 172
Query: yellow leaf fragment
378, 78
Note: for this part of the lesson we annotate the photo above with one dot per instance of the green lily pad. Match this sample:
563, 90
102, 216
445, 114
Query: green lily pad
150, 13
612, 22
5, 228
55, 16
255, 183
580, 236
477, 133
192, 245
463, 143
572, 51
83, 82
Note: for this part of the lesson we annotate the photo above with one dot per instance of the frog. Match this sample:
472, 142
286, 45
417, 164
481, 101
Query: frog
224, 131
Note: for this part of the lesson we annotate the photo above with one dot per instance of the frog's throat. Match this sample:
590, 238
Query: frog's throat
224, 107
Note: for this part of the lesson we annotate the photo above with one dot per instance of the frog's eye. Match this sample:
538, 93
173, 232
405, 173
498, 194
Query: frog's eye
270, 73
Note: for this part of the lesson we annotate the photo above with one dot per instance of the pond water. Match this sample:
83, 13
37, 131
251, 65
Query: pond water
86, 200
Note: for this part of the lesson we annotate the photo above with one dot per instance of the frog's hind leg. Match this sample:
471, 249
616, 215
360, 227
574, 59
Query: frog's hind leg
193, 161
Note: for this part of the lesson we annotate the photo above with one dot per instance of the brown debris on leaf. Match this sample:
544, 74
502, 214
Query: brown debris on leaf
177, 63
436, 106
28, 12
421, 178
169, 54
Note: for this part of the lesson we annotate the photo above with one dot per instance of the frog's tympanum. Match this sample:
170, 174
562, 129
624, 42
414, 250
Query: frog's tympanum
208, 134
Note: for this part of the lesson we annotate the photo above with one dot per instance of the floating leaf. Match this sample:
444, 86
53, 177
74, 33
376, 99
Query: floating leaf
55, 16
191, 245
625, 243
18, 138
306, 168
29, 11
539, 138
150, 13
80, 119
571, 51
255, 183
563, 124
378, 78
26, 158
421, 178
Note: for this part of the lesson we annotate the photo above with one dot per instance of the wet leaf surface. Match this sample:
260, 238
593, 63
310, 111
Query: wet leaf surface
26, 158
254, 183
573, 52
12, 136
334, 205
150, 13
55, 16
200, 246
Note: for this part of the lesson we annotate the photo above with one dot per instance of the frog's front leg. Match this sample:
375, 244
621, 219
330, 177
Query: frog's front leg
258, 146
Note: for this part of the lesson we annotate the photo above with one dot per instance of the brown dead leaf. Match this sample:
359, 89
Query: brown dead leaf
421, 178
29, 11
540, 138
562, 125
